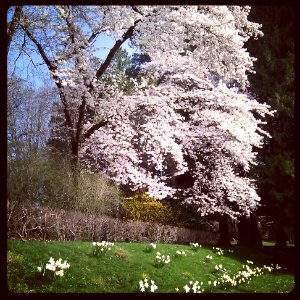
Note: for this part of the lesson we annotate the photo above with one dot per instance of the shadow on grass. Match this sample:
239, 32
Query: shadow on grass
263, 255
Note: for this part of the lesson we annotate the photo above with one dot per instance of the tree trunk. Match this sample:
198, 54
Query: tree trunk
280, 237
12, 25
224, 239
248, 233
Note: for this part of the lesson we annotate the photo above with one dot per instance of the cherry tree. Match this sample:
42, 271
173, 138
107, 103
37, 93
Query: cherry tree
191, 110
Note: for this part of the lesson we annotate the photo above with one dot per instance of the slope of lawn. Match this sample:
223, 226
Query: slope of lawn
120, 269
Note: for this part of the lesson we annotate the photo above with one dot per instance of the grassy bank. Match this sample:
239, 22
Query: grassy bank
121, 268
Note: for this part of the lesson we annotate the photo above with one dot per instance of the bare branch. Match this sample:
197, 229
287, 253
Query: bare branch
49, 64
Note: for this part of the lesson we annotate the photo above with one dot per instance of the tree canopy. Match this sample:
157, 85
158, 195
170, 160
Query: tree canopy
189, 111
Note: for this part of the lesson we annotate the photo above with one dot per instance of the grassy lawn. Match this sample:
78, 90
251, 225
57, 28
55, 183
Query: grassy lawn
120, 269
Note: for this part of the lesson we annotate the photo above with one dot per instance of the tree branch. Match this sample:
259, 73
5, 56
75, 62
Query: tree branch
99, 73
12, 25
137, 10
93, 128
115, 48
93, 36
56, 79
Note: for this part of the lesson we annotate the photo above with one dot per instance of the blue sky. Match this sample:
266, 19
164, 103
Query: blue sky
104, 42
26, 70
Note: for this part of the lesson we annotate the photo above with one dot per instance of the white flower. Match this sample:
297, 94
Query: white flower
59, 273
94, 243
187, 288
65, 265
50, 267
39, 269
51, 261
58, 263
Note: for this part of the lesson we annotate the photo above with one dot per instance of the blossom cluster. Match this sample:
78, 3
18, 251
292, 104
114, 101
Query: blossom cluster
55, 267
161, 260
102, 247
146, 129
145, 286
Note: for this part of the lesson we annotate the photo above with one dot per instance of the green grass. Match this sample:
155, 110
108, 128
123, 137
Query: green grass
120, 270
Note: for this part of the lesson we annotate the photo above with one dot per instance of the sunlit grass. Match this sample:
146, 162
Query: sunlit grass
120, 270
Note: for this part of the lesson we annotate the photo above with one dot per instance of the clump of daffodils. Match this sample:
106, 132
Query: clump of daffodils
208, 258
242, 276
247, 273
219, 268
180, 253
161, 260
218, 250
277, 267
147, 285
195, 246
54, 268
150, 247
212, 284
100, 248
226, 281
193, 287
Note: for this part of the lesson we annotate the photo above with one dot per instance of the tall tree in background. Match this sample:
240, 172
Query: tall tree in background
274, 83
28, 113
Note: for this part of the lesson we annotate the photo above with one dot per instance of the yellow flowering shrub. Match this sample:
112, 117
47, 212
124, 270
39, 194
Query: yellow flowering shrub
142, 207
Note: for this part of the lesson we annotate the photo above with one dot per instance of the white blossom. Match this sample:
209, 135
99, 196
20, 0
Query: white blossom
192, 105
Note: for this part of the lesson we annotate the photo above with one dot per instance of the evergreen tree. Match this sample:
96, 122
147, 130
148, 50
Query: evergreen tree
274, 84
